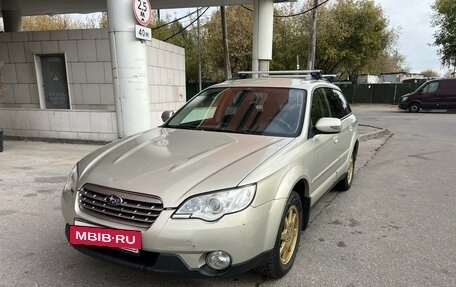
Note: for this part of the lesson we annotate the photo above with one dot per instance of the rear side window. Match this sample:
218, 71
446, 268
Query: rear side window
344, 102
337, 106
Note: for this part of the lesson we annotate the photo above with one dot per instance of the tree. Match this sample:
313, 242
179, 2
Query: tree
60, 22
352, 36
430, 73
449, 74
226, 49
103, 22
240, 23
444, 20
387, 62
42, 23
291, 40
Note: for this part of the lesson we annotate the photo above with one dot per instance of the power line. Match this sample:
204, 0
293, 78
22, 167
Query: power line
185, 28
292, 15
174, 21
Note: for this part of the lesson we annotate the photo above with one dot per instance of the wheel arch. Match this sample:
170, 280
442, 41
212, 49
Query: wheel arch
355, 149
302, 189
415, 102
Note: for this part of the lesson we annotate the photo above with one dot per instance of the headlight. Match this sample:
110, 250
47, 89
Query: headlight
403, 99
72, 180
213, 206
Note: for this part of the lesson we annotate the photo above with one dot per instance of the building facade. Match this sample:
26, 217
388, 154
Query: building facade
99, 84
59, 84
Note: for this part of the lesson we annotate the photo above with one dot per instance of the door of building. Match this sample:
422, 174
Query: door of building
55, 82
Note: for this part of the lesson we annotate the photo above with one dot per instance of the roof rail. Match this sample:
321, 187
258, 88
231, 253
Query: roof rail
305, 74
286, 72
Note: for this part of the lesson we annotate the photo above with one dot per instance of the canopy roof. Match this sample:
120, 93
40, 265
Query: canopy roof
52, 7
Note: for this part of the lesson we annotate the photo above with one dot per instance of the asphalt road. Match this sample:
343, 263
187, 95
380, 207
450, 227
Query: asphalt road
395, 227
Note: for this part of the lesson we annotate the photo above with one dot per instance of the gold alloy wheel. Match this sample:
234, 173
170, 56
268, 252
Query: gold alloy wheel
289, 235
350, 171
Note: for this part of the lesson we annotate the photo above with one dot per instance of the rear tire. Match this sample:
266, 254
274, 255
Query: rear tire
346, 182
414, 108
287, 241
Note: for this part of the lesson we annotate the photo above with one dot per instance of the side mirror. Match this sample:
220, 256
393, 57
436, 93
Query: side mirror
420, 91
329, 125
166, 115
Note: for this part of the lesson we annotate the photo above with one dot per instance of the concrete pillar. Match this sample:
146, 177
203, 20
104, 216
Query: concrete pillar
12, 21
263, 20
129, 70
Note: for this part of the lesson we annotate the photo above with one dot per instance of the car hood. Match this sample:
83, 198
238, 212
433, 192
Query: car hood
175, 164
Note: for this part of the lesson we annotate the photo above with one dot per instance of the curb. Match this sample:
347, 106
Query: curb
373, 135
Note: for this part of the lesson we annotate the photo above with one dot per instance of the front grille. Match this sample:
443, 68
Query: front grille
136, 209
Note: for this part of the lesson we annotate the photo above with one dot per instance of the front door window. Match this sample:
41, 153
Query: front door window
431, 88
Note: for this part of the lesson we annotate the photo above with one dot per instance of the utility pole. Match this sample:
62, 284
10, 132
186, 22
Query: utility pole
200, 85
313, 38
226, 51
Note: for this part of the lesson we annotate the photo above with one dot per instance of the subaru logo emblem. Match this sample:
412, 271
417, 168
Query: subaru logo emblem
114, 200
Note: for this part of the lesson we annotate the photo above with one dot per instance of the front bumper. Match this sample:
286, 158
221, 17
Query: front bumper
180, 246
166, 263
403, 105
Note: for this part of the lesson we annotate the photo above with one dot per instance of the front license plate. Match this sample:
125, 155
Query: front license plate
129, 240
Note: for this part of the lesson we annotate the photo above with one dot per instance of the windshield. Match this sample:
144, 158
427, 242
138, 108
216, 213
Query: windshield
260, 111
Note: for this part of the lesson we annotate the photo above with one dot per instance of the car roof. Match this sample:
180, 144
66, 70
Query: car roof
276, 82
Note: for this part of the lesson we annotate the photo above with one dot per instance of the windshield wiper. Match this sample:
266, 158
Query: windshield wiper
242, 132
187, 127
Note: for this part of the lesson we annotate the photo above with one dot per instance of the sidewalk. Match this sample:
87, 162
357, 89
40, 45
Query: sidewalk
367, 132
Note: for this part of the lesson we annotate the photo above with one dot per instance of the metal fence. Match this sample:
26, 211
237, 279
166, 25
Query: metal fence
377, 93
356, 94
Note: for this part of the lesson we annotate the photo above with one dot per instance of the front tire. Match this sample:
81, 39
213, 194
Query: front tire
346, 182
414, 108
287, 241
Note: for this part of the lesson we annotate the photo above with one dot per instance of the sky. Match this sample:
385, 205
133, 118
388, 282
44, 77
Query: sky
411, 19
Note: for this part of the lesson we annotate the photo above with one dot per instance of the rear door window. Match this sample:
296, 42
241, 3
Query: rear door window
344, 102
336, 105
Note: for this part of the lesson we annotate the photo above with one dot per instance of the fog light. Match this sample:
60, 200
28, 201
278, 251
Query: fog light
218, 260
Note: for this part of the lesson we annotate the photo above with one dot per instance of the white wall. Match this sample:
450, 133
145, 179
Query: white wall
166, 64
89, 71
62, 124
88, 61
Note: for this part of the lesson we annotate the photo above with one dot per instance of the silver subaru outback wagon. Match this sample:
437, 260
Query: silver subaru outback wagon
224, 186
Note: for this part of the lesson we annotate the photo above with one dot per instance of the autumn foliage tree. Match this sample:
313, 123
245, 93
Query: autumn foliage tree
444, 20
59, 22
430, 73
240, 23
353, 37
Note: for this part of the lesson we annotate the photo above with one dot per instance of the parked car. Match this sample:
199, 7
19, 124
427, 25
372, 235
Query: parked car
222, 187
435, 94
